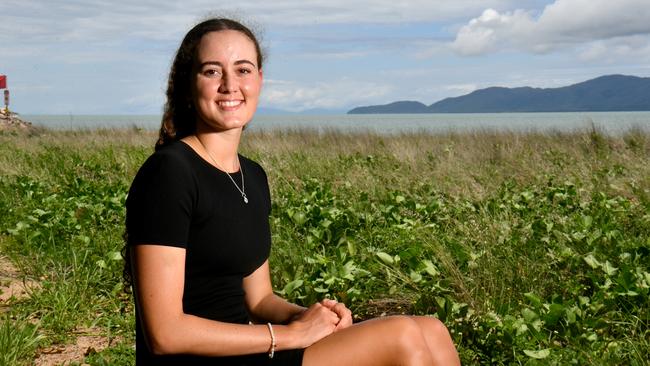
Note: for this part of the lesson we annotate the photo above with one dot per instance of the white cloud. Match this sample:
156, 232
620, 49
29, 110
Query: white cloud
67, 20
43, 27
298, 12
333, 94
115, 55
489, 31
562, 23
634, 49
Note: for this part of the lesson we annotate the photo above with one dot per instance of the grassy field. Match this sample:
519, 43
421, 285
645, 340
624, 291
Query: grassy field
533, 248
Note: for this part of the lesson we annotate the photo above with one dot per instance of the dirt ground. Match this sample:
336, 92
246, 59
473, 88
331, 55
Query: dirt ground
88, 341
12, 122
14, 287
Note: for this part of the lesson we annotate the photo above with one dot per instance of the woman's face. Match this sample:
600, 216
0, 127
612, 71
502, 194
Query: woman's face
227, 80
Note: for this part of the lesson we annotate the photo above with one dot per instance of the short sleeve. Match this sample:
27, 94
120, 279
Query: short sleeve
159, 203
266, 189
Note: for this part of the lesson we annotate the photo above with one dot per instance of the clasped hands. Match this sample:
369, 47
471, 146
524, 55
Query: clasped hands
322, 319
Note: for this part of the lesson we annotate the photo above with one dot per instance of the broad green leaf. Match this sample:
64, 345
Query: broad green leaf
578, 236
537, 324
592, 261
348, 269
527, 196
629, 293
115, 256
554, 314
351, 248
570, 316
609, 268
534, 300
292, 286
539, 355
299, 218
430, 268
521, 329
385, 257
529, 315
646, 276
416, 276
442, 302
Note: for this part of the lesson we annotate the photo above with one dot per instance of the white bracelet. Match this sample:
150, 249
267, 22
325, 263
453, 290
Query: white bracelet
272, 349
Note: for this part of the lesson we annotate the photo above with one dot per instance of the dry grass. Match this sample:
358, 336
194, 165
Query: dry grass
469, 164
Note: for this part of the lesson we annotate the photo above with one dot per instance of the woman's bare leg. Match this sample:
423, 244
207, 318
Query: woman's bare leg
398, 340
439, 340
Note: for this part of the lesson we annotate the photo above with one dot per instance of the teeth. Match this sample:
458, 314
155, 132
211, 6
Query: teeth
229, 103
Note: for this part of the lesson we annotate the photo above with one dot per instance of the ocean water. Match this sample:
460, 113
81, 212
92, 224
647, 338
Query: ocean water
608, 122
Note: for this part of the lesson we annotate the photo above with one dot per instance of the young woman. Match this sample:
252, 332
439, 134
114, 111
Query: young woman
198, 237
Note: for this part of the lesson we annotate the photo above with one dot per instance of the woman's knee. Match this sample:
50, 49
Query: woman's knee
432, 326
410, 346
439, 340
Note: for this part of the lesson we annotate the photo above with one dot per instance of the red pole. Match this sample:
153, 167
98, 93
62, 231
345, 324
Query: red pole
3, 85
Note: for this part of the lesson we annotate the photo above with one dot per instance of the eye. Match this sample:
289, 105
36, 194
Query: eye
211, 72
245, 71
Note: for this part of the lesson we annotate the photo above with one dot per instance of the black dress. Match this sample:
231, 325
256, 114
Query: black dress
180, 200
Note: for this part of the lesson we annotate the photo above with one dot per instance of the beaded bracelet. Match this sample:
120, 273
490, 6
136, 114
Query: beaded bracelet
272, 349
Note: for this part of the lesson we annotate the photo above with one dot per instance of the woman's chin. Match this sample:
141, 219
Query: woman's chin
224, 124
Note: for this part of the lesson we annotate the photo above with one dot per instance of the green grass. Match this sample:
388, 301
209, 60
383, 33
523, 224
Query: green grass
18, 340
533, 248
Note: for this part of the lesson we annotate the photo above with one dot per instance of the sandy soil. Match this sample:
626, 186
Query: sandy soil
12, 122
88, 341
13, 287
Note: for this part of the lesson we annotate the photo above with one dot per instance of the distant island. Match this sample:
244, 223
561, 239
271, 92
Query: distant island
605, 93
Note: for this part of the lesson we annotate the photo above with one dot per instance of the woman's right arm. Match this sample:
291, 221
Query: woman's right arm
159, 280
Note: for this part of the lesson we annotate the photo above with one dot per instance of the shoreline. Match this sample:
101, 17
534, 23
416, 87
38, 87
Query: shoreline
609, 123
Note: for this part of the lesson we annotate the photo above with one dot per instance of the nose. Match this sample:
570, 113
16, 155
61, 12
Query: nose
228, 83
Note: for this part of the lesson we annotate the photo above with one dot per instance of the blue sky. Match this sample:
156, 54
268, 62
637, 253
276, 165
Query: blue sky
112, 57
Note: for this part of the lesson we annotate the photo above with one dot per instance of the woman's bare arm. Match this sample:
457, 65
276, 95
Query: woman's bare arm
263, 304
269, 307
159, 279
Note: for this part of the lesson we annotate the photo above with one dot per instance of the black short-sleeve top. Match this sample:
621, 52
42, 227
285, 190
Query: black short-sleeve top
178, 199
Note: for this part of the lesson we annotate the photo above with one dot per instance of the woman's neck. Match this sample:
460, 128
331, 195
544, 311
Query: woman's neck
218, 148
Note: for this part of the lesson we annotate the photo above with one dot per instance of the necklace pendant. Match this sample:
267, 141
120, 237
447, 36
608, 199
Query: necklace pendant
245, 198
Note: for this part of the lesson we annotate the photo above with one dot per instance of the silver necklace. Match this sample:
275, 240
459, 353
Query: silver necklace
241, 171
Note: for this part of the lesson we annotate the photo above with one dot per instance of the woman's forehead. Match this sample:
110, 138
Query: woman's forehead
226, 46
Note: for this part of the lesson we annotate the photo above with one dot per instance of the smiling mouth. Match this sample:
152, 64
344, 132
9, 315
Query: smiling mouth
229, 103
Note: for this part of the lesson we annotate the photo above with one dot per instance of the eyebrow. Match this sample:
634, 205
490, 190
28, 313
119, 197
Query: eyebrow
217, 63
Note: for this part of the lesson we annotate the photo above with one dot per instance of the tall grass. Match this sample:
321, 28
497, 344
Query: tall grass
532, 247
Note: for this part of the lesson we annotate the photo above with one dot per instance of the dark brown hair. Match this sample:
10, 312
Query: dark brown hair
179, 118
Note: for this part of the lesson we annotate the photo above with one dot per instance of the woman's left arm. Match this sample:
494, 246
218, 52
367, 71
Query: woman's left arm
262, 303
